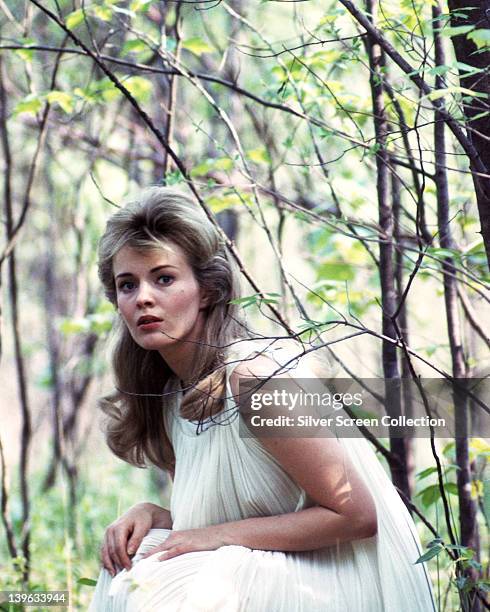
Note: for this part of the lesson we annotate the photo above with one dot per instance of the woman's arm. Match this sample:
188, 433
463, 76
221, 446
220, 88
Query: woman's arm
345, 510
160, 517
344, 507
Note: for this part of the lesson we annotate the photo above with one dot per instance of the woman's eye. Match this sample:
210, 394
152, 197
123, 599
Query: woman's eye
126, 286
165, 280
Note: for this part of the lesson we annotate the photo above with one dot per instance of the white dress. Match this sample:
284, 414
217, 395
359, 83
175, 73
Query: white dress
222, 477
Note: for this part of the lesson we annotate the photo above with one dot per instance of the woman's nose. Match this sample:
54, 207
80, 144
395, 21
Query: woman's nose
145, 296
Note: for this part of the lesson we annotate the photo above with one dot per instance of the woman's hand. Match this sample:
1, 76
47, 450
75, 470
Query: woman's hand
189, 540
124, 535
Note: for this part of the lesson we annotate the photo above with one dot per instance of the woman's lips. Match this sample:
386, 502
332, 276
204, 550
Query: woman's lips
148, 322
149, 326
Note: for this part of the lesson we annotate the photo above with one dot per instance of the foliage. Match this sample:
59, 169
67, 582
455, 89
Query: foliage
264, 110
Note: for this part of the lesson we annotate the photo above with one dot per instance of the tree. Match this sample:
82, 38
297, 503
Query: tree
338, 132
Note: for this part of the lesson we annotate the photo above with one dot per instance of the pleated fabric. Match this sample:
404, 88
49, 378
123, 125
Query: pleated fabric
223, 477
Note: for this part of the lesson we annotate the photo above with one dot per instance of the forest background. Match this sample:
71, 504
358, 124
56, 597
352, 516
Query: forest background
342, 148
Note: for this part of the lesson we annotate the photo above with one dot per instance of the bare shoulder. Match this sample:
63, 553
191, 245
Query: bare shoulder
283, 359
318, 465
255, 366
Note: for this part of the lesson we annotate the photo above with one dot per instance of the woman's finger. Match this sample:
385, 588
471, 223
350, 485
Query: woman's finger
106, 560
113, 552
121, 545
105, 556
136, 539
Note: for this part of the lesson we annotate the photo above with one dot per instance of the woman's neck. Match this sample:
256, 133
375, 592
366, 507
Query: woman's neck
180, 361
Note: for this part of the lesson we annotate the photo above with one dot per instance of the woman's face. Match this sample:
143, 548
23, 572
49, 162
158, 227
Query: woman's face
158, 296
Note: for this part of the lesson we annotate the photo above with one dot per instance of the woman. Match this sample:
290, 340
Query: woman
255, 525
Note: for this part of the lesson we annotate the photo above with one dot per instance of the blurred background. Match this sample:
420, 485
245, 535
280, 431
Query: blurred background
343, 150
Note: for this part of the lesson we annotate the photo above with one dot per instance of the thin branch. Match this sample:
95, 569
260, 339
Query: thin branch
412, 73
471, 316
162, 140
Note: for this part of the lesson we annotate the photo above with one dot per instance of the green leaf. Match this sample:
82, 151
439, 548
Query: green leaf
26, 54
259, 156
461, 549
134, 46
461, 582
456, 30
219, 163
426, 472
431, 349
336, 271
222, 163
443, 253
174, 178
103, 12
432, 552
257, 299
139, 87
271, 298
45, 379
479, 446
73, 20
451, 488
87, 581
224, 201
434, 542
475, 248
309, 325
448, 449
140, 5
105, 307
246, 301
437, 70
481, 38
31, 105
470, 70
197, 46
100, 91
440, 93
74, 326
101, 323
62, 99
429, 495
486, 497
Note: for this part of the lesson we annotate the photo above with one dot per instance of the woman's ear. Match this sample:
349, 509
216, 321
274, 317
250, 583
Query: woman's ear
204, 300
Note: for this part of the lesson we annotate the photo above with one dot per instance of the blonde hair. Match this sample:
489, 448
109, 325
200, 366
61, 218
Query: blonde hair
135, 427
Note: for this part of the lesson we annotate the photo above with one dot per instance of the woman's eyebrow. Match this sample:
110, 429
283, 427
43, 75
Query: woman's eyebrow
155, 269
164, 266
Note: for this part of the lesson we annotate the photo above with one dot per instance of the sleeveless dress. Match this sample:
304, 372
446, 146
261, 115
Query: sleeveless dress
223, 477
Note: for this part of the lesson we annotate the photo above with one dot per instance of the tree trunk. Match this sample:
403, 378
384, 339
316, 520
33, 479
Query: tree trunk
467, 507
468, 12
386, 258
402, 319
26, 430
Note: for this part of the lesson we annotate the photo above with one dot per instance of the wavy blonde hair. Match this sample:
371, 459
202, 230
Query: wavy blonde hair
134, 424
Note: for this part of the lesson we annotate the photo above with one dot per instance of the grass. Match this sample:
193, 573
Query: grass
60, 557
